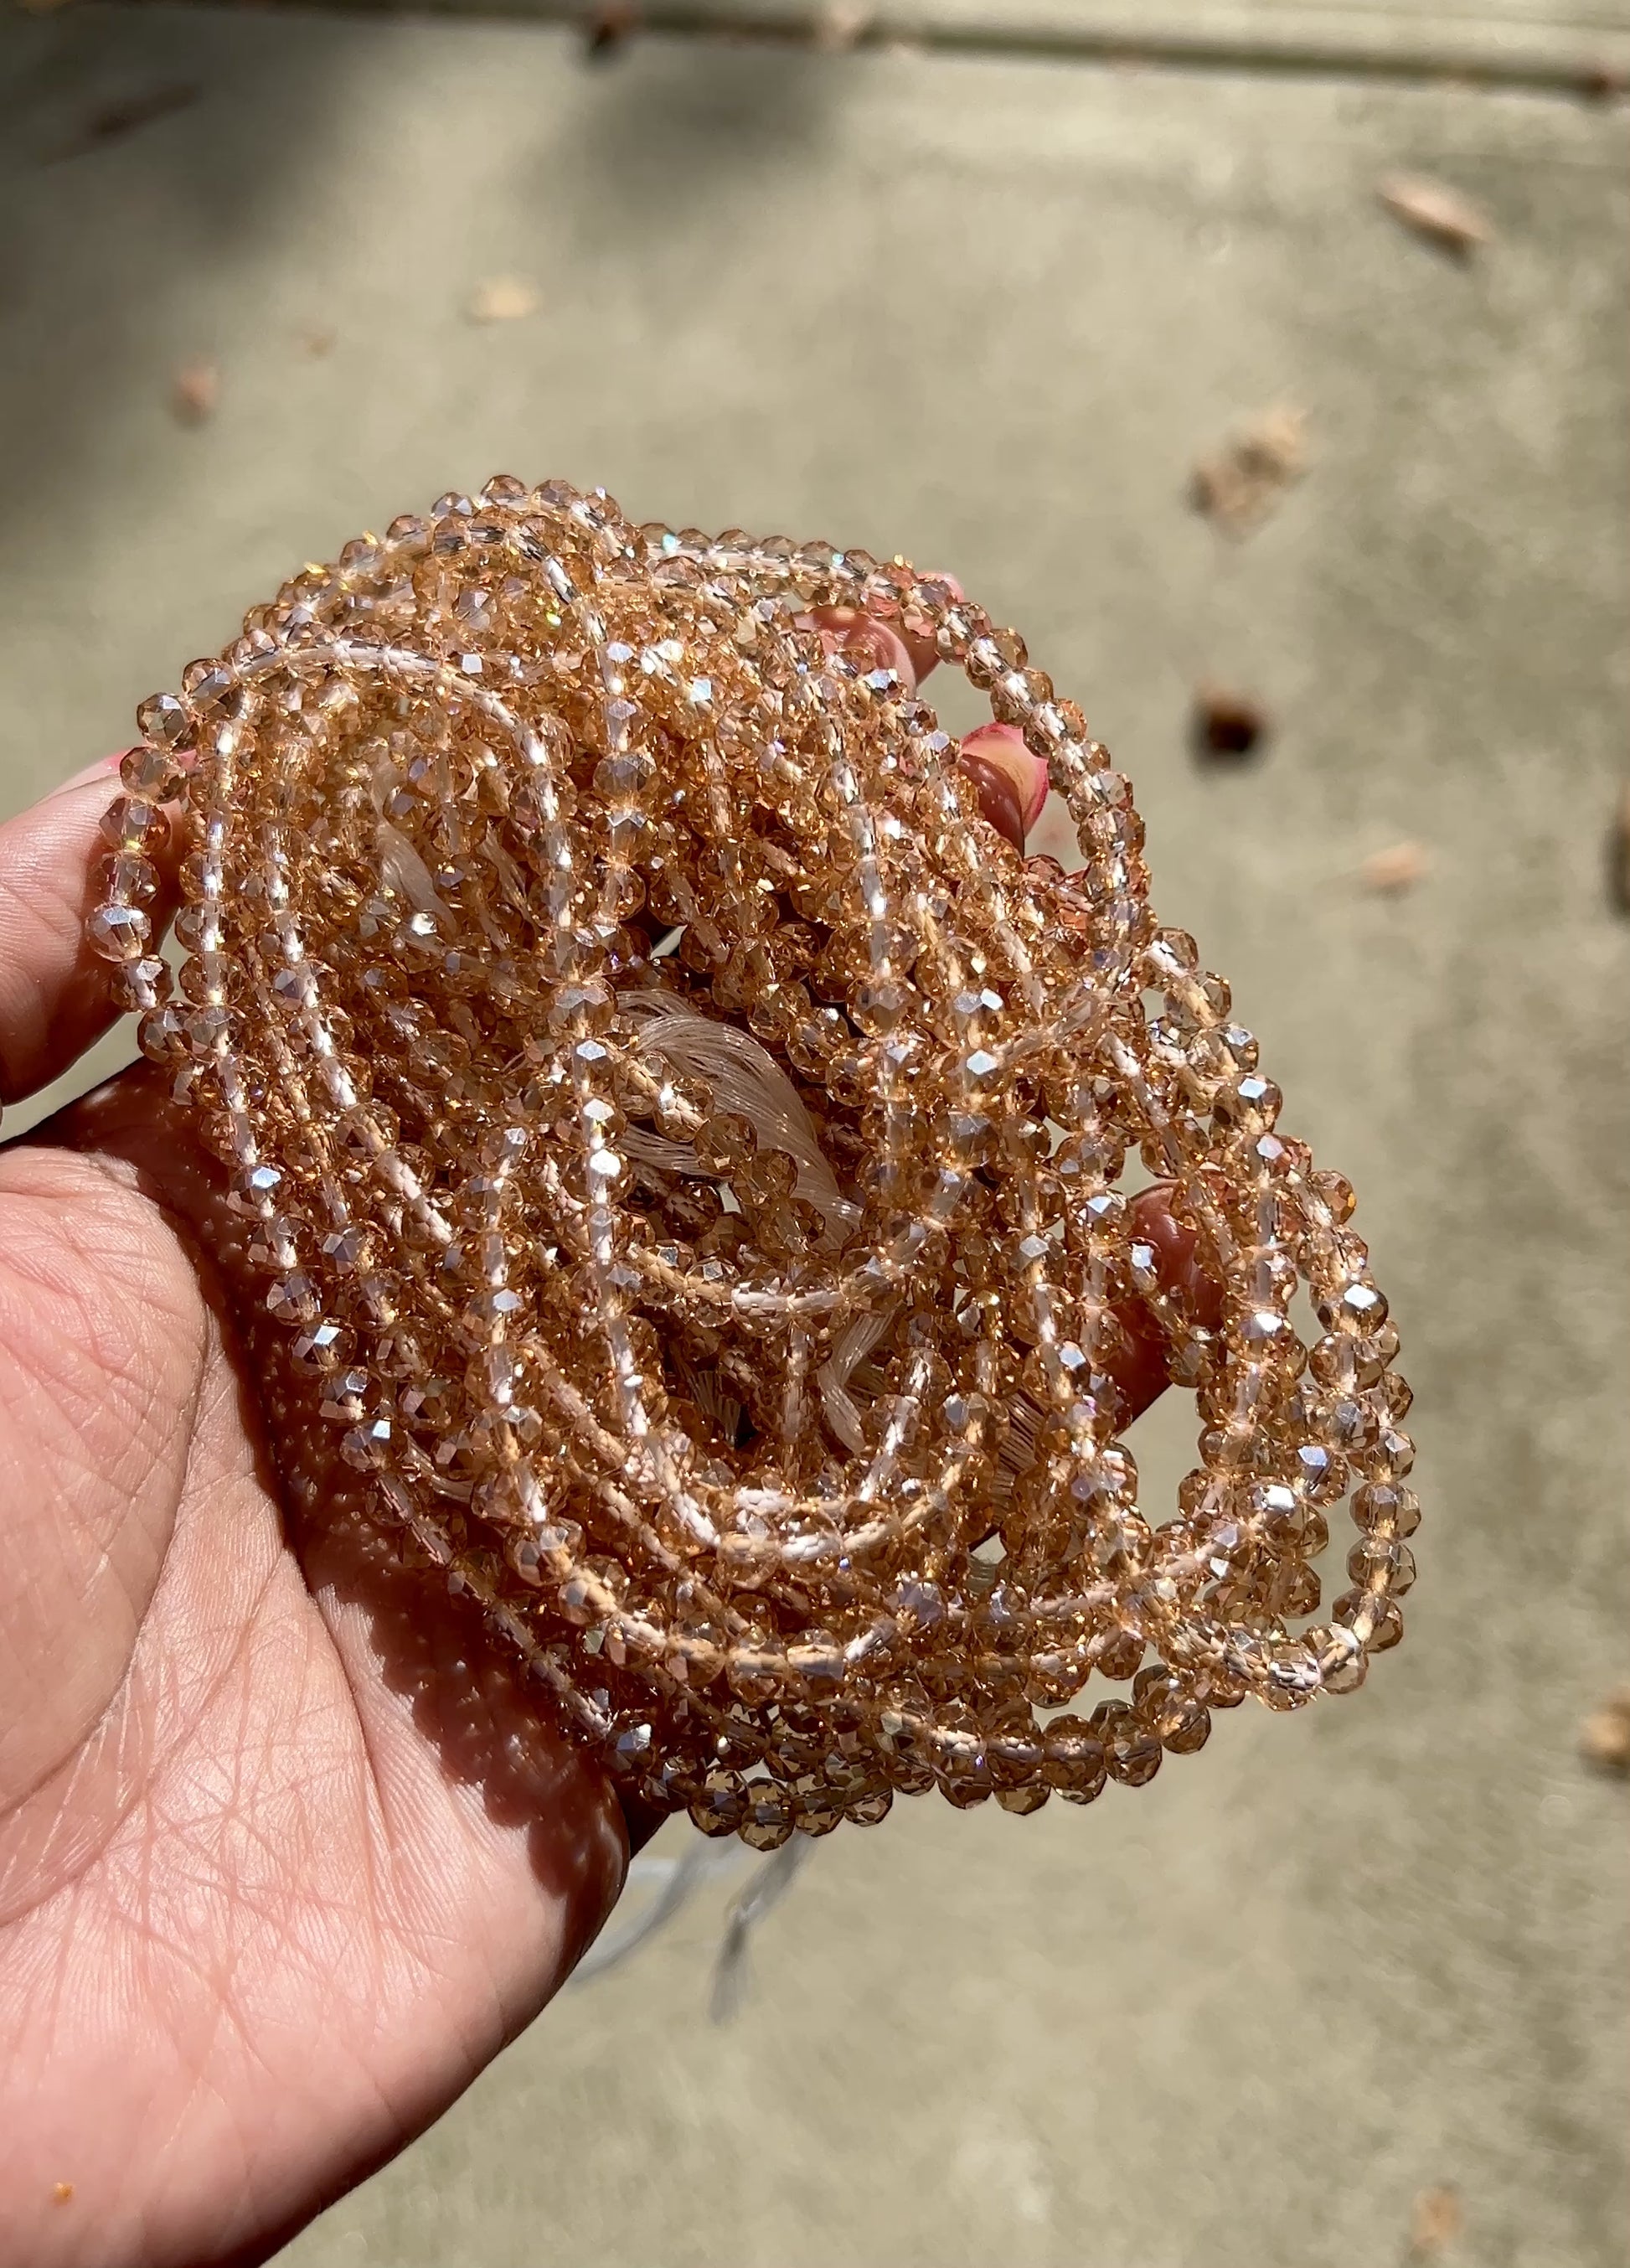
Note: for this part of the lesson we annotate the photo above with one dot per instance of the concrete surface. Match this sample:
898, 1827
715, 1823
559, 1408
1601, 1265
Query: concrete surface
1578, 45
989, 313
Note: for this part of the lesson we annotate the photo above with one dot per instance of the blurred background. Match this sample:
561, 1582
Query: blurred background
1266, 364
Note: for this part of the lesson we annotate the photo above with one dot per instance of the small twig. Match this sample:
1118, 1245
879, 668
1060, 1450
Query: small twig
112, 121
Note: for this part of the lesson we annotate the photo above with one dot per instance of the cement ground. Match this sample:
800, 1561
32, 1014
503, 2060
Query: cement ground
988, 311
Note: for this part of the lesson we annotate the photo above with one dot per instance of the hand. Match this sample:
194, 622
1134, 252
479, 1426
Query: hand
288, 1851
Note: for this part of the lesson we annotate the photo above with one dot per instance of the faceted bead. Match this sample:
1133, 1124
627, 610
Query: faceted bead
766, 1818
152, 773
1293, 1676
119, 933
819, 1810
1375, 1562
200, 928
140, 985
1168, 1706
1131, 1755
165, 720
685, 1145
293, 1298
1075, 1764
367, 1447
1380, 1504
132, 823
721, 1808
1341, 1660
1029, 1797
162, 1033
323, 1345
129, 878
213, 691
252, 1190
211, 979
1387, 1624
345, 1398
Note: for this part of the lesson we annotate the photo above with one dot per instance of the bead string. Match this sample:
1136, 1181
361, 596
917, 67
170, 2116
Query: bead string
793, 1506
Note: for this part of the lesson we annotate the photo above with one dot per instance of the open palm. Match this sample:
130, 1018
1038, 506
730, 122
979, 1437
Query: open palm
287, 1848
286, 1854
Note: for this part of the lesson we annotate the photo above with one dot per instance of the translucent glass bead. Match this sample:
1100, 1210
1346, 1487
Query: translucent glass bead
686, 1141
119, 933
133, 823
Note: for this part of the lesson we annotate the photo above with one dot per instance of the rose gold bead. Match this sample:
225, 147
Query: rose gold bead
119, 933
133, 823
685, 1151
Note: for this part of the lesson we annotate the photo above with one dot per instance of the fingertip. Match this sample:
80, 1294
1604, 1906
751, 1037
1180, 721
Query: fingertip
103, 771
54, 990
864, 640
1005, 747
1177, 1264
997, 796
1140, 1365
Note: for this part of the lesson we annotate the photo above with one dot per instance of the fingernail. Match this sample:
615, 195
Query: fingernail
1182, 1274
846, 629
99, 769
882, 648
998, 798
1002, 748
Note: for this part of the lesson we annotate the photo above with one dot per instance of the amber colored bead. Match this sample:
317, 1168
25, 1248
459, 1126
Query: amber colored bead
119, 933
133, 823
1131, 1754
722, 1806
136, 986
151, 772
768, 1817
683, 1140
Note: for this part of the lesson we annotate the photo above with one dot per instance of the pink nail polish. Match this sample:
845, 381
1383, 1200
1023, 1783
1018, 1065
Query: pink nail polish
998, 799
1003, 746
873, 644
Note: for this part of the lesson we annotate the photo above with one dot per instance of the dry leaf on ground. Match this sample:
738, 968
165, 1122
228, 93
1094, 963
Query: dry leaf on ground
840, 25
1605, 1736
194, 391
1239, 484
123, 114
502, 300
609, 26
1397, 868
1436, 211
1228, 723
1434, 2221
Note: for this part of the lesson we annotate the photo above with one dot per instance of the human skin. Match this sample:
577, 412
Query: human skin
288, 1848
